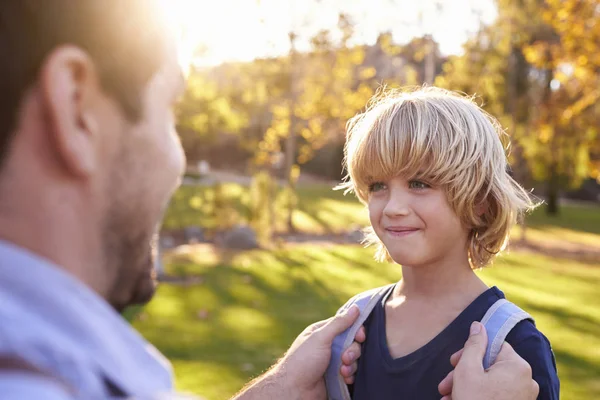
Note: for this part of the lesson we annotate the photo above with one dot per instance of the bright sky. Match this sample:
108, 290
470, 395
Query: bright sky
246, 29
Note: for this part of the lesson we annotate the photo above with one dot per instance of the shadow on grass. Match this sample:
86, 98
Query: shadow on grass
248, 317
246, 313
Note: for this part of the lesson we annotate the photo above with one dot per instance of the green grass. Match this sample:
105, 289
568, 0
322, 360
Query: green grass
320, 209
575, 224
246, 312
323, 210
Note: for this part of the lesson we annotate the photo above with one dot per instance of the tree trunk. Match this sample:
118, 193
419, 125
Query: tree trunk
553, 180
519, 166
290, 145
429, 74
553, 189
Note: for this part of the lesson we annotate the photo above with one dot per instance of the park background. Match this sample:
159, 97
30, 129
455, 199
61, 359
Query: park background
256, 245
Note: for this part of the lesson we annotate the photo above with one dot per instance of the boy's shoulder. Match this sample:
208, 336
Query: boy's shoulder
368, 296
533, 346
526, 333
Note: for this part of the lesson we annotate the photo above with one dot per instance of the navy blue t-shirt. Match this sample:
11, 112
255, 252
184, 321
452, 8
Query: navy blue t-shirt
417, 375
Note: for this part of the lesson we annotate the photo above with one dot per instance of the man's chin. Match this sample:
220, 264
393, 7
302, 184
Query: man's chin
146, 288
143, 291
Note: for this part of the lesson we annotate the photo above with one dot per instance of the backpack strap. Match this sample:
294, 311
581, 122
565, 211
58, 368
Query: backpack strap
499, 320
366, 302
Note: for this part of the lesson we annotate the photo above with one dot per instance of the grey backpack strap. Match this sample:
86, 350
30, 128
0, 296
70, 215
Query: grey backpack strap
366, 302
499, 320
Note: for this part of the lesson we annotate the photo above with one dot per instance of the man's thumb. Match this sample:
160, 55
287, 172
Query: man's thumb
475, 347
340, 323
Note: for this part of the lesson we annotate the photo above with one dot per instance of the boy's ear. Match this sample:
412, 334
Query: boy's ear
481, 208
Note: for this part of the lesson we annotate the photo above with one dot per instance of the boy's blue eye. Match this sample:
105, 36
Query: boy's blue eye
418, 185
377, 186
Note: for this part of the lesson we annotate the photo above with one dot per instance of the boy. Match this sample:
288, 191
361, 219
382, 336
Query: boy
431, 168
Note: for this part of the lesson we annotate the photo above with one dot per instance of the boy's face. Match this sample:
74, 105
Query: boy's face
415, 222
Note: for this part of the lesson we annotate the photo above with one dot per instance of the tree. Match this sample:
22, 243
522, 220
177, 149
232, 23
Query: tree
578, 54
527, 78
203, 112
568, 112
327, 86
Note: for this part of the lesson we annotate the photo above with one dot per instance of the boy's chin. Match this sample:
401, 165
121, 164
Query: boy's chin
407, 260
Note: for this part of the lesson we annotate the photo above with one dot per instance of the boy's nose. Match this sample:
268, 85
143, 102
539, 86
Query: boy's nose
396, 206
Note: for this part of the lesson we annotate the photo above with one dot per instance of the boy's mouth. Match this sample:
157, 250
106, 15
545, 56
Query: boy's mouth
400, 230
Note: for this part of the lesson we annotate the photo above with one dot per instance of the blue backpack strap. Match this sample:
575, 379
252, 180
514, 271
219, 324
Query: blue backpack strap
499, 320
366, 302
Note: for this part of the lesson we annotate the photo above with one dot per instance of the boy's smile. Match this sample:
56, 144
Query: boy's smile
399, 230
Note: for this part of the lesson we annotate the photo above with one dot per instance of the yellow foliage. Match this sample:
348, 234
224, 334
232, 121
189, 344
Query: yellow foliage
280, 111
367, 73
295, 173
306, 134
546, 133
535, 54
315, 126
357, 56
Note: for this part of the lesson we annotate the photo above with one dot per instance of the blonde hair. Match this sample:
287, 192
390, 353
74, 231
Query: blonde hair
449, 140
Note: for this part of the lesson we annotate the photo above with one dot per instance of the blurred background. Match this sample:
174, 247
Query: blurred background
256, 245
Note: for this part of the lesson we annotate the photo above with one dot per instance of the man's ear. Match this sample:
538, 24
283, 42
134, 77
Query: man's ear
69, 85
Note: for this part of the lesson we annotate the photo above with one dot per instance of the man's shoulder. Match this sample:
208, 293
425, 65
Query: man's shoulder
42, 344
22, 331
22, 385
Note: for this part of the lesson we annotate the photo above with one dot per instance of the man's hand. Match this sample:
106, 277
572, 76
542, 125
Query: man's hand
299, 375
508, 379
307, 359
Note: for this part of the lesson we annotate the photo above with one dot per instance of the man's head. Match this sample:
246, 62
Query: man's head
87, 134
447, 141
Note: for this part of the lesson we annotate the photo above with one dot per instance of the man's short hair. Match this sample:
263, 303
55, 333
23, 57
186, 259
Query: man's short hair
123, 38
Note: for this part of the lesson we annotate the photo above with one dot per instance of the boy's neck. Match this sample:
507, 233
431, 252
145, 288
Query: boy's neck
446, 278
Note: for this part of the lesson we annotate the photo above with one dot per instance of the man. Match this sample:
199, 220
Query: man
88, 160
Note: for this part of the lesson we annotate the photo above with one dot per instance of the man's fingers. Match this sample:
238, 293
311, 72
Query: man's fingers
445, 386
474, 351
361, 335
507, 353
510, 357
338, 324
447, 397
351, 354
348, 371
536, 389
456, 358
318, 325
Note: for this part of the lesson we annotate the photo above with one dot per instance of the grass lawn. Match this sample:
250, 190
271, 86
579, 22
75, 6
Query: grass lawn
244, 313
322, 210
